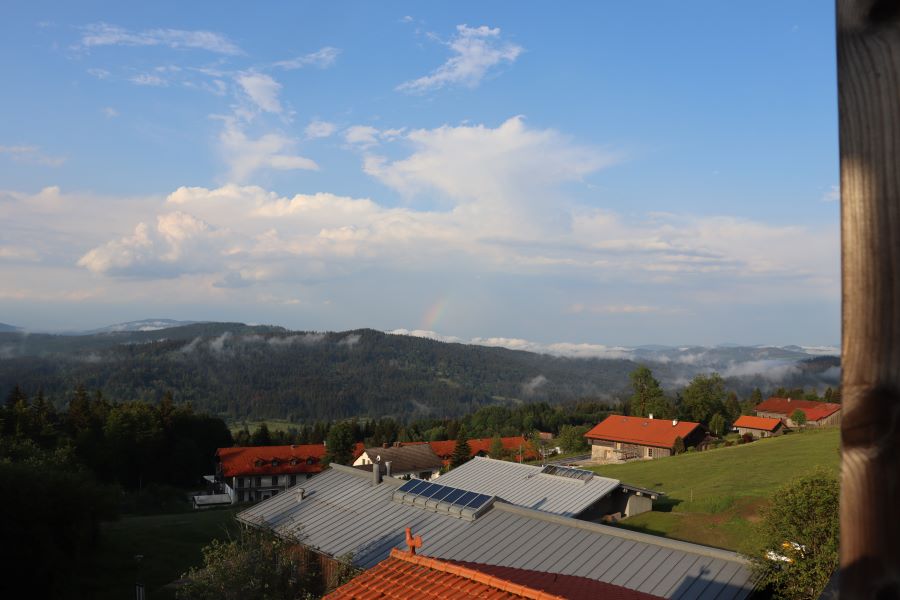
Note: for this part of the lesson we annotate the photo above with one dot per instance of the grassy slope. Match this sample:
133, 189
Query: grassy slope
728, 486
171, 544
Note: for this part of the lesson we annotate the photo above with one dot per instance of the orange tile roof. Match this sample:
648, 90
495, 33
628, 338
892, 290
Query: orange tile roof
271, 460
764, 423
405, 576
444, 449
786, 406
660, 433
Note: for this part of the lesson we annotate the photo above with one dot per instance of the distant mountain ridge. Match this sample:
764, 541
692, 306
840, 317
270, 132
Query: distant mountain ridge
239, 370
9, 328
142, 325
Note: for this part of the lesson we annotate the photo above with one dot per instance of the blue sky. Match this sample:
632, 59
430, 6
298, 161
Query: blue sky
607, 174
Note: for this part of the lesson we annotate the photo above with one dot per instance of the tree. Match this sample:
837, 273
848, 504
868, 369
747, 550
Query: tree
571, 438
256, 565
717, 424
461, 452
703, 397
497, 450
646, 391
261, 437
799, 532
799, 418
340, 443
679, 445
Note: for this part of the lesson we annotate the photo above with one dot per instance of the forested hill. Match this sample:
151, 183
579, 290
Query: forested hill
239, 371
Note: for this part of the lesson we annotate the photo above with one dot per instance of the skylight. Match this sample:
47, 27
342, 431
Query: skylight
568, 472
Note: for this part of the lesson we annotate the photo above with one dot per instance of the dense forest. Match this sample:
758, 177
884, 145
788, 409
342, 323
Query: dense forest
238, 371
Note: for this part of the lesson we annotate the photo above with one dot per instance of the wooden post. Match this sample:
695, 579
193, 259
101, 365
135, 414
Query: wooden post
868, 44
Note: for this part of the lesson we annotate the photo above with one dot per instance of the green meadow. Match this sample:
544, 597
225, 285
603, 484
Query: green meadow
714, 497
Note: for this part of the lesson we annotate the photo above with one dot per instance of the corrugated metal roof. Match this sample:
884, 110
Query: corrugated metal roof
343, 512
526, 486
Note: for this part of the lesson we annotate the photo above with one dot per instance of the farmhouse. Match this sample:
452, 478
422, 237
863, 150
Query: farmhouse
559, 490
347, 512
758, 426
516, 447
415, 461
625, 438
818, 414
255, 473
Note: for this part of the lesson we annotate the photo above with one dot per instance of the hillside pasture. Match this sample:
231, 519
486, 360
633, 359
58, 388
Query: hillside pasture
714, 497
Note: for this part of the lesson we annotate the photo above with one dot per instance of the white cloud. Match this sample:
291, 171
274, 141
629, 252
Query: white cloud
148, 79
262, 90
31, 155
476, 50
322, 59
319, 129
180, 243
103, 34
99, 73
245, 156
833, 194
363, 136
110, 112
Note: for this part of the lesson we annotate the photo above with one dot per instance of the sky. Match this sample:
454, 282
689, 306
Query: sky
603, 173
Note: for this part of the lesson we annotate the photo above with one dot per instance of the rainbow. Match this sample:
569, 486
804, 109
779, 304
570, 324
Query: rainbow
433, 313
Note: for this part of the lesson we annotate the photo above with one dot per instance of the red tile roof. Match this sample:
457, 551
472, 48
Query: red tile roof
660, 433
786, 406
404, 576
444, 449
271, 460
763, 423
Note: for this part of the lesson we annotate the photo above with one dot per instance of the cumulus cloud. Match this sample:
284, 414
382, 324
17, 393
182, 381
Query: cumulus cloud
31, 155
179, 243
104, 34
361, 135
475, 52
148, 79
322, 59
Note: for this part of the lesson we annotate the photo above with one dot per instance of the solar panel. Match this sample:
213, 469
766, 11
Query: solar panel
568, 472
442, 498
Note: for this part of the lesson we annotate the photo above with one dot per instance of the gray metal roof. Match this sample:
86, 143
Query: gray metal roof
525, 485
343, 512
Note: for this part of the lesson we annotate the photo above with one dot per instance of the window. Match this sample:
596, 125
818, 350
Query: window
258, 481
274, 479
310, 460
293, 479
240, 482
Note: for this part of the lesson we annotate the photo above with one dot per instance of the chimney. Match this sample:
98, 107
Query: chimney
376, 473
387, 468
651, 416
674, 422
301, 494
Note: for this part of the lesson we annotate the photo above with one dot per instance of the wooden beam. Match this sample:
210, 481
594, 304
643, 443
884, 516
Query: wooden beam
868, 44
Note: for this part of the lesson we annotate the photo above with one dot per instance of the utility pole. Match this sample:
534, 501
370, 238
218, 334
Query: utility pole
868, 67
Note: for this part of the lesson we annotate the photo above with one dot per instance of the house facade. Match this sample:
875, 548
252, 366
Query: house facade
254, 473
413, 461
758, 427
620, 438
818, 414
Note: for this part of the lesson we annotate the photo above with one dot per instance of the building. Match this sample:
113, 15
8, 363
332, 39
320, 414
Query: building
516, 447
346, 512
818, 414
559, 490
254, 473
413, 461
625, 438
758, 426
404, 575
